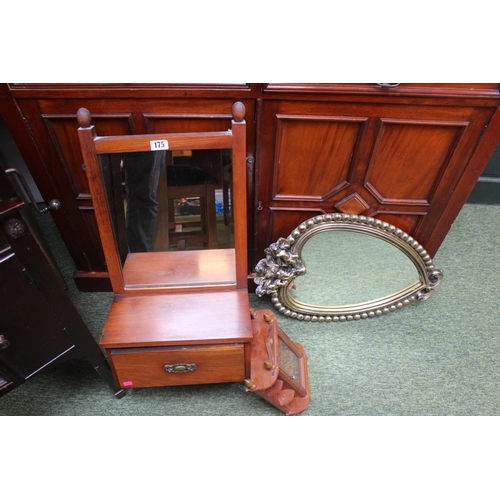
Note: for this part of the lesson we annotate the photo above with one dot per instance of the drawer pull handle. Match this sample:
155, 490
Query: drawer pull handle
52, 205
180, 368
388, 85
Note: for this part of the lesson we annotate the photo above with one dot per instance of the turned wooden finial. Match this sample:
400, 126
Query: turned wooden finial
250, 384
269, 365
84, 117
269, 319
238, 112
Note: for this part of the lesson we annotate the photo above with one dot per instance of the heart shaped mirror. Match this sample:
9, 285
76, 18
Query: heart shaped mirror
339, 267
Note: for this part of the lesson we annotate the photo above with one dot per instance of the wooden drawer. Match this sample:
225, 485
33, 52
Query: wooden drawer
164, 366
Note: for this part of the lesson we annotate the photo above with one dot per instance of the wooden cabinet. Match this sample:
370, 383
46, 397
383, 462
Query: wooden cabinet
409, 154
39, 325
171, 338
402, 157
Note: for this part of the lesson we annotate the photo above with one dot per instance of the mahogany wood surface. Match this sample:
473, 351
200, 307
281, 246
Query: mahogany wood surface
146, 367
180, 270
239, 196
399, 163
412, 153
289, 392
176, 142
178, 319
264, 363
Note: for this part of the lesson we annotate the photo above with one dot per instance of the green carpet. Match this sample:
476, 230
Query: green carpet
437, 357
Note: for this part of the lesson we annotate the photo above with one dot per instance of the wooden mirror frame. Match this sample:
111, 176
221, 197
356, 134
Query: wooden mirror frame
234, 139
283, 264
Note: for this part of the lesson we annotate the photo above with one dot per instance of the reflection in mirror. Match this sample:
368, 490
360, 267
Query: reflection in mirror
339, 267
169, 201
356, 268
177, 200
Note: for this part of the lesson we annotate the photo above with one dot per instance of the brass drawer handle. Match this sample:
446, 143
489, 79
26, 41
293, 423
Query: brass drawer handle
180, 368
388, 85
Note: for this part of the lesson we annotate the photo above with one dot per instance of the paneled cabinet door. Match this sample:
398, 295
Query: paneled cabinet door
398, 163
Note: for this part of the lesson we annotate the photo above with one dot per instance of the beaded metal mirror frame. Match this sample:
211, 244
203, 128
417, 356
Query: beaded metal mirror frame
283, 264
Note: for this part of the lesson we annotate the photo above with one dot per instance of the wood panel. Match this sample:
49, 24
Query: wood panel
178, 319
169, 123
314, 156
280, 219
214, 268
415, 150
63, 135
399, 163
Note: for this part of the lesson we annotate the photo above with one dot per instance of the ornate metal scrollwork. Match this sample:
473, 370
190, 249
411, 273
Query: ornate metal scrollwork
279, 267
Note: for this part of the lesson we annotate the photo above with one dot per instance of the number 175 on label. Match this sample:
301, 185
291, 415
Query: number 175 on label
158, 145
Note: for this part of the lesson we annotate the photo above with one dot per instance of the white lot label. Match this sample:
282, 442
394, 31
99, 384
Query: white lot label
157, 145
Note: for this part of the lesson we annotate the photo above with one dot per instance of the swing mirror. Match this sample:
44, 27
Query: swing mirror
339, 267
179, 177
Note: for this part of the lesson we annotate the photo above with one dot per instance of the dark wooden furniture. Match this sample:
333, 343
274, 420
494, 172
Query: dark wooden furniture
409, 154
183, 317
39, 325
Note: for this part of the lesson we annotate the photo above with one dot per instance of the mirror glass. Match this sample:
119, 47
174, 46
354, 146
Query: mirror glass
165, 204
347, 267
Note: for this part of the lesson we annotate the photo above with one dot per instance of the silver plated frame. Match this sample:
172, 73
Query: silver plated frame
283, 264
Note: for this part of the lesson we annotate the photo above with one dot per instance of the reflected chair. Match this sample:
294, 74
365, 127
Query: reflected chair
185, 182
189, 184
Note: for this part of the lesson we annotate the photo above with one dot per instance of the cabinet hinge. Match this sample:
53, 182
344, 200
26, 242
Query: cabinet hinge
27, 275
28, 126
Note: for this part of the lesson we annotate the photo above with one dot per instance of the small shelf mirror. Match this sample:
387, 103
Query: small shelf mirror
338, 267
166, 206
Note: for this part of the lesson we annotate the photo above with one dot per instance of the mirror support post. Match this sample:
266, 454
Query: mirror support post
240, 195
87, 135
